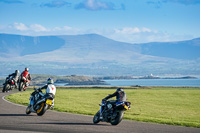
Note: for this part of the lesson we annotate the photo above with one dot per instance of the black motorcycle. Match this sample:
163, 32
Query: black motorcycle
112, 112
8, 85
41, 101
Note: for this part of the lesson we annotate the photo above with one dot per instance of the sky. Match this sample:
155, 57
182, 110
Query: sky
131, 21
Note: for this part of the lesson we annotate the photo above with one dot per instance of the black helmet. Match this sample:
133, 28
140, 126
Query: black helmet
119, 90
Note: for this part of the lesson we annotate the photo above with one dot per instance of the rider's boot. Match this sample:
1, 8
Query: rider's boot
101, 116
52, 106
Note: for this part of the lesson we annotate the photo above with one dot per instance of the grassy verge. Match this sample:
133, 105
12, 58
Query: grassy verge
174, 106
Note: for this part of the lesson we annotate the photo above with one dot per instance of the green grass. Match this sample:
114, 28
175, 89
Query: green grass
174, 106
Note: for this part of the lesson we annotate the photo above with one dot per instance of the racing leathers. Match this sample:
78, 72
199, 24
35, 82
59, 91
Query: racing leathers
120, 96
15, 77
27, 76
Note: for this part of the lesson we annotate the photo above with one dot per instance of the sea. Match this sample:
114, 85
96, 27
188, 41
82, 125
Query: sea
148, 82
155, 82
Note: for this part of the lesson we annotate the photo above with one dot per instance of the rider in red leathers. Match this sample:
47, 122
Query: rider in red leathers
27, 76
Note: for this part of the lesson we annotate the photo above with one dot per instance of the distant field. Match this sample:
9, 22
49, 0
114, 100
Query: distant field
174, 106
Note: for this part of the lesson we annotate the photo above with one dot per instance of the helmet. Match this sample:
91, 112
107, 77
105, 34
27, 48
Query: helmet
26, 69
49, 81
17, 72
119, 90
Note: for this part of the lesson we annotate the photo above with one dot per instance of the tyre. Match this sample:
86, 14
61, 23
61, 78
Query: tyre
4, 88
23, 87
20, 86
7, 87
96, 118
42, 109
118, 118
28, 110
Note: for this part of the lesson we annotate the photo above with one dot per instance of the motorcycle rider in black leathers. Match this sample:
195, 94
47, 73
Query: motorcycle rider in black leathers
15, 77
120, 96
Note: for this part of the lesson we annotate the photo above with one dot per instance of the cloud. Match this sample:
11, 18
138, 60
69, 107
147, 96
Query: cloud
130, 30
143, 35
65, 30
11, 1
95, 5
37, 28
56, 3
20, 26
158, 3
32, 27
124, 34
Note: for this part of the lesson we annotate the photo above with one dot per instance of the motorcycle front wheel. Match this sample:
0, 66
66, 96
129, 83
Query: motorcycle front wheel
96, 118
118, 118
42, 109
4, 88
28, 110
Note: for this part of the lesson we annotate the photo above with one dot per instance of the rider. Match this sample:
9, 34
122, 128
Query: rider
26, 75
50, 90
15, 77
120, 96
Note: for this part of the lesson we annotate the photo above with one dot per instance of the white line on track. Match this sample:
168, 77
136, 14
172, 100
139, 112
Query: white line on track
11, 102
47, 110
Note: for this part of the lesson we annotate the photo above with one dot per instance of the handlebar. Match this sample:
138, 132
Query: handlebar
37, 89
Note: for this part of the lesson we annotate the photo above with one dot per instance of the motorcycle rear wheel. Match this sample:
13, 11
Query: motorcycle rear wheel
42, 110
21, 86
96, 118
118, 118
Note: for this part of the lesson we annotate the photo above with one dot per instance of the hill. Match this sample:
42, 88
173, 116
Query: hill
189, 49
18, 45
93, 54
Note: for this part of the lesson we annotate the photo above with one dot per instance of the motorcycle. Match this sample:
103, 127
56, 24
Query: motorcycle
8, 85
112, 113
40, 102
23, 84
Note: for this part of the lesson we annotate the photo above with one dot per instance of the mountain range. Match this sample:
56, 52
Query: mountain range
93, 54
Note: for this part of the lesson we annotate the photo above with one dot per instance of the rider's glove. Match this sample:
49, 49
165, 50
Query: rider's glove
104, 99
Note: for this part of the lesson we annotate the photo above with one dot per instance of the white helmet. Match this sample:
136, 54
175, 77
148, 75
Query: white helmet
17, 72
26, 69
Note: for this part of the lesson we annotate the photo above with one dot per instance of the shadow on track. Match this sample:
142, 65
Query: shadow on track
15, 115
74, 124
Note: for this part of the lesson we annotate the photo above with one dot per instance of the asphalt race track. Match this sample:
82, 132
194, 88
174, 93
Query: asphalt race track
13, 119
